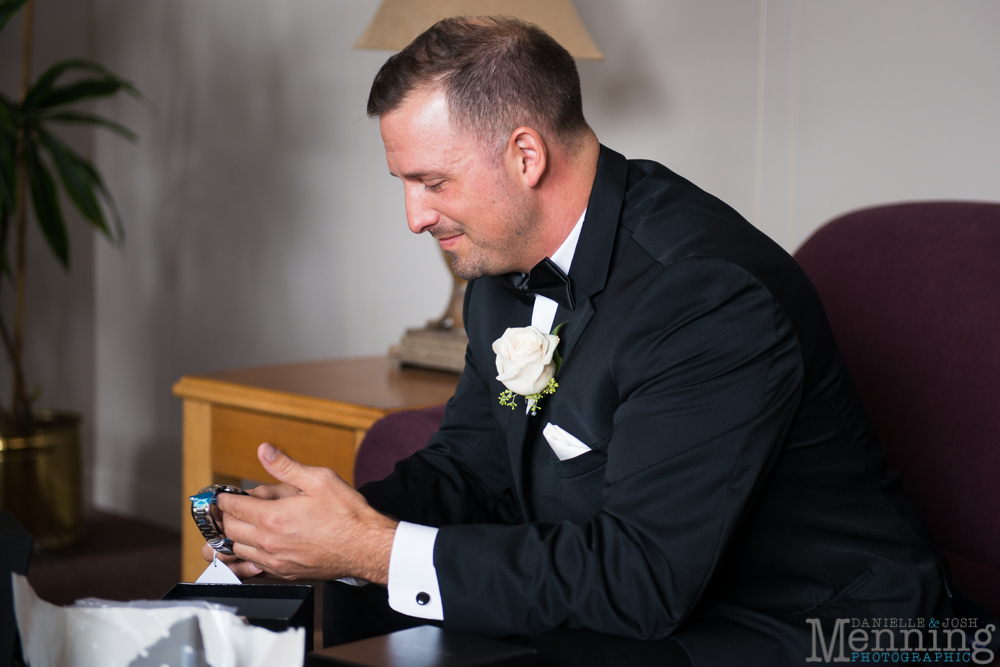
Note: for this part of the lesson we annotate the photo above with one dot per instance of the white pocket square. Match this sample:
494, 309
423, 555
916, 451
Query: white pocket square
564, 444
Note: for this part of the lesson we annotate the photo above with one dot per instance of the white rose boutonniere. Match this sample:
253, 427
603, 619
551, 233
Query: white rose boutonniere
527, 361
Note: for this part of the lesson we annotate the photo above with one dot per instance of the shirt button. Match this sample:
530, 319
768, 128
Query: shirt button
423, 598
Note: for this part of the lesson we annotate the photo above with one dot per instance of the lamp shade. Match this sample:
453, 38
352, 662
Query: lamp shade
398, 22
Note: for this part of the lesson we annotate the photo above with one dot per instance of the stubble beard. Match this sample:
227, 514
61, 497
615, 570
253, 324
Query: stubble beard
494, 257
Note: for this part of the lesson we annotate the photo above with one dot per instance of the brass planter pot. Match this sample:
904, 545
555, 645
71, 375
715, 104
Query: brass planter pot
40, 479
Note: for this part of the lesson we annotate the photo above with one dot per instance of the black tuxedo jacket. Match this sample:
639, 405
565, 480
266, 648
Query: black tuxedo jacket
734, 487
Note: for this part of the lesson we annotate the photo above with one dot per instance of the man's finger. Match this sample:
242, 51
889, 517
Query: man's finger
240, 568
208, 553
273, 491
284, 468
244, 569
242, 517
257, 559
244, 508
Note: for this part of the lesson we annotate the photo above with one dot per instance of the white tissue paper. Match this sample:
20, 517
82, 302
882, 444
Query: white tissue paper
174, 633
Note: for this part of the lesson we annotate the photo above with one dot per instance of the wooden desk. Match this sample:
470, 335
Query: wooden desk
316, 412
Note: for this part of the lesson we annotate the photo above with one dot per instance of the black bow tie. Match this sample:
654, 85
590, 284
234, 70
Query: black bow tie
546, 279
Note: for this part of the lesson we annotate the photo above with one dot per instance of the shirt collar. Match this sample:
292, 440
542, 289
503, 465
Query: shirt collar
563, 257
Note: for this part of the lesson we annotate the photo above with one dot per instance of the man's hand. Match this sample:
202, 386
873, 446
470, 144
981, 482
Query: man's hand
311, 526
242, 568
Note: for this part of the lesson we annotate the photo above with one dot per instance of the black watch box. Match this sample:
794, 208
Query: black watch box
272, 606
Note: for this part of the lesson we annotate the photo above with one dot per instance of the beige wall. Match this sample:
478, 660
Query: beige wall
263, 226
794, 111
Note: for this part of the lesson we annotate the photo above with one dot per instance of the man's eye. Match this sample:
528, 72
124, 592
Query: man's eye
434, 187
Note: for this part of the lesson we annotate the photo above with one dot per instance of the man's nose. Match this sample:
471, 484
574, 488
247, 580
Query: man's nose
419, 216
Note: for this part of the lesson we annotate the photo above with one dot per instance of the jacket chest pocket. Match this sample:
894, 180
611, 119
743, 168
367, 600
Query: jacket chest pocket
580, 465
568, 490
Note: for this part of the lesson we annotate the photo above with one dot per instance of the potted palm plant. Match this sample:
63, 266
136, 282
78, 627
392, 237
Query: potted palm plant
39, 450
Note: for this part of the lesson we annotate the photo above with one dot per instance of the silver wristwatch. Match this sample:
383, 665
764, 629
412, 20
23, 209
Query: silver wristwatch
208, 517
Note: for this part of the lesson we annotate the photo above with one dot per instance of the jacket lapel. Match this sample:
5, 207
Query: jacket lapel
517, 429
595, 249
589, 272
517, 420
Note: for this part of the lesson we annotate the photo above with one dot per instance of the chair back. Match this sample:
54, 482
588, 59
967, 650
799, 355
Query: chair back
393, 438
912, 292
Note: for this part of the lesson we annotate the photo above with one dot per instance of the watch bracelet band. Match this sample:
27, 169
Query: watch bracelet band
201, 512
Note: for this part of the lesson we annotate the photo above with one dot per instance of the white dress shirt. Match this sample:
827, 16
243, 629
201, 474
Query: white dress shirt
413, 582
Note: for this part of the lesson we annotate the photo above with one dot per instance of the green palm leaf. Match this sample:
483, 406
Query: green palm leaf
7, 176
90, 119
8, 8
95, 177
44, 84
43, 93
46, 202
76, 179
7, 202
87, 89
8, 115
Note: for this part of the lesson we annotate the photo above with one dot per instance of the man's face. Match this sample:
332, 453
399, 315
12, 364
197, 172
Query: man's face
478, 213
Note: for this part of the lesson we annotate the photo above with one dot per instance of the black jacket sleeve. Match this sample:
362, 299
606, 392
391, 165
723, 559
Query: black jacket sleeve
463, 475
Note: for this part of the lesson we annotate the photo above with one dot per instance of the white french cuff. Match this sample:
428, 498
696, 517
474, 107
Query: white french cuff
413, 582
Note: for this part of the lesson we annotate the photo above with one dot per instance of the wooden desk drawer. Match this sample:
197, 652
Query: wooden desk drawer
236, 434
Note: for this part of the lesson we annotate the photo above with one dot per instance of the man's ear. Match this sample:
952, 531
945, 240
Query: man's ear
526, 156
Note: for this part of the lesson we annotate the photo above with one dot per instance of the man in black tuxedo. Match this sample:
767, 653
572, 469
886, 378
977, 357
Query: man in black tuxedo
703, 479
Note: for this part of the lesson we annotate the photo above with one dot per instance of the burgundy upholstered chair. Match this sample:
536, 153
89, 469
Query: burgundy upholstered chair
912, 292
393, 438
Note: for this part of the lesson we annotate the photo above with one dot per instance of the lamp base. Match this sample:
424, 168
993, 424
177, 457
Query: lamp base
438, 349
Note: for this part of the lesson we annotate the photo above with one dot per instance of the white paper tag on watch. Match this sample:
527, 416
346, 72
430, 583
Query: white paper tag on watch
218, 572
563, 443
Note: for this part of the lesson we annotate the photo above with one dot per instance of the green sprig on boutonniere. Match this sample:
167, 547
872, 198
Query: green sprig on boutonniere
527, 362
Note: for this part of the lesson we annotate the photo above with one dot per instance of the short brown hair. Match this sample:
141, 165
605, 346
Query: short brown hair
498, 73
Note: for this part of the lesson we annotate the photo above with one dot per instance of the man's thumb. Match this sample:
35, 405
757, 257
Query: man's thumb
281, 466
